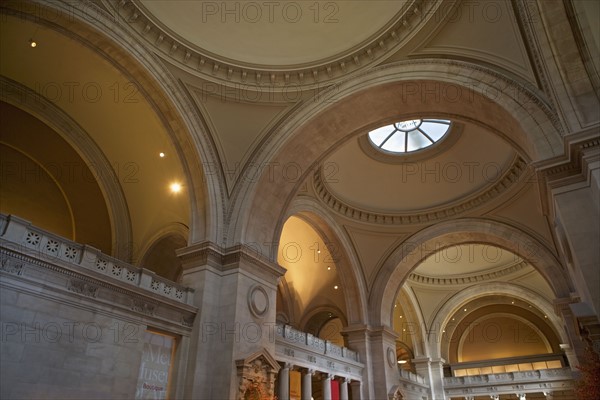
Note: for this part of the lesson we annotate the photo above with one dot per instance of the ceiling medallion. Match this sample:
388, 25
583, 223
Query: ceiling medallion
311, 75
512, 176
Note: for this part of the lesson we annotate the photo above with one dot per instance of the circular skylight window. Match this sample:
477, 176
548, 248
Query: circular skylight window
409, 136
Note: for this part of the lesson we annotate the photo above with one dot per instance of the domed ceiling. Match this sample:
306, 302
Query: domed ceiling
476, 160
287, 33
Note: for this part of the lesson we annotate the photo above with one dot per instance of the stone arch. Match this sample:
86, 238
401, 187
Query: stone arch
398, 90
483, 290
418, 338
169, 238
164, 93
316, 314
26, 99
339, 245
411, 252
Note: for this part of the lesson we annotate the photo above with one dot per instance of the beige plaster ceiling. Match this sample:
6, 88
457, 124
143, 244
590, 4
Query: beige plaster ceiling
306, 257
287, 33
112, 109
477, 159
485, 30
465, 260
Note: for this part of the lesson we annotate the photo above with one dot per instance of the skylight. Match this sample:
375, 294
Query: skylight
409, 136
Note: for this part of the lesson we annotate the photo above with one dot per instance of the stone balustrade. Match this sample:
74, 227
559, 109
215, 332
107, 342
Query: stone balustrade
547, 380
18, 236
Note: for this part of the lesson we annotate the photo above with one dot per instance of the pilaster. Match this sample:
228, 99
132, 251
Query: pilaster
236, 294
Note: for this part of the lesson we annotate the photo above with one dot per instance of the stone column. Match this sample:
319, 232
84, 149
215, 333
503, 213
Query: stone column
355, 390
433, 372
344, 389
235, 293
377, 349
573, 205
283, 382
326, 386
307, 384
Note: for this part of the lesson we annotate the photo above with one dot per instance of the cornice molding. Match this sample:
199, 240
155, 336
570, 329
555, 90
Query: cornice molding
469, 279
27, 266
239, 257
511, 177
321, 72
581, 150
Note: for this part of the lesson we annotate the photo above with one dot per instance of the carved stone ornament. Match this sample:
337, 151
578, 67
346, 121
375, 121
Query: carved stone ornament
257, 374
258, 301
143, 307
82, 288
391, 357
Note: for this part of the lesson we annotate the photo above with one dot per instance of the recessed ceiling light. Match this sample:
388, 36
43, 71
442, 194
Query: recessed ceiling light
464, 309
328, 268
453, 319
32, 43
336, 287
161, 155
512, 302
175, 187
395, 305
401, 316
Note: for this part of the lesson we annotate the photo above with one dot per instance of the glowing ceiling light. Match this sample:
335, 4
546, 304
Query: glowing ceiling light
32, 43
161, 155
336, 287
175, 187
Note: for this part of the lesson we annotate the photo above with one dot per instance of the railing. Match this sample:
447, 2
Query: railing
512, 364
505, 383
412, 377
306, 350
20, 236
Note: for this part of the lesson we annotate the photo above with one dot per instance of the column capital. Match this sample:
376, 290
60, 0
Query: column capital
203, 255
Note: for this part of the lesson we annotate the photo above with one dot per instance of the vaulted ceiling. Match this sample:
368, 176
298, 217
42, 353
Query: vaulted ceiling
245, 70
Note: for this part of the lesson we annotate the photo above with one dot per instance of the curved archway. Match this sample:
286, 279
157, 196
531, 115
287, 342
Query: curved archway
411, 252
393, 91
339, 245
159, 253
164, 94
484, 290
26, 99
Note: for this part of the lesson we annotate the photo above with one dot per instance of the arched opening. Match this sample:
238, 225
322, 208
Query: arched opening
162, 259
312, 279
484, 310
45, 181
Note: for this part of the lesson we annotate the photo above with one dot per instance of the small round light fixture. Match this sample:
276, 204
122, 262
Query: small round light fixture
161, 154
336, 287
32, 43
175, 187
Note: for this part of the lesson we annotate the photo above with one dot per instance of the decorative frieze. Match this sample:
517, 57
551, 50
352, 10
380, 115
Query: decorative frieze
83, 288
37, 261
143, 307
